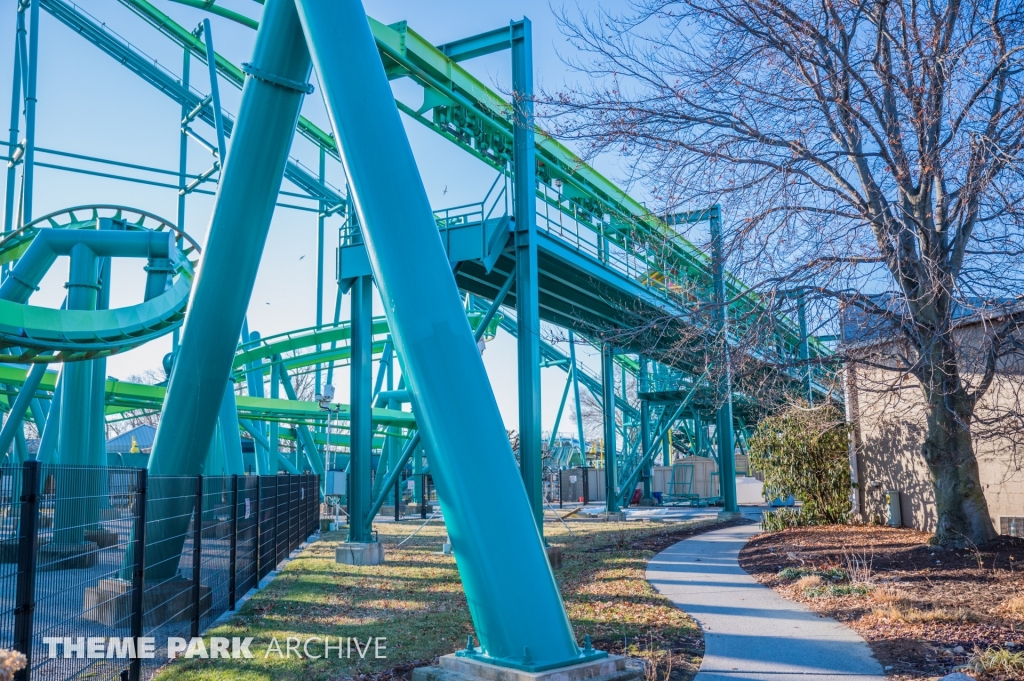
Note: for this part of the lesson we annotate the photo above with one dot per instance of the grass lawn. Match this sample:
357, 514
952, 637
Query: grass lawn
416, 601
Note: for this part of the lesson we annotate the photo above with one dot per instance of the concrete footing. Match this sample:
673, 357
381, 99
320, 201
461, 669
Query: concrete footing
110, 602
9, 549
554, 556
619, 517
648, 502
329, 525
64, 556
103, 538
419, 509
360, 553
389, 511
454, 668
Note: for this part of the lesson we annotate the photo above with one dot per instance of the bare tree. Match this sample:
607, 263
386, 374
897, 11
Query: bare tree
873, 146
138, 417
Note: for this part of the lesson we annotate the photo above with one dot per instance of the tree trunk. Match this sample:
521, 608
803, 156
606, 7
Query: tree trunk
963, 516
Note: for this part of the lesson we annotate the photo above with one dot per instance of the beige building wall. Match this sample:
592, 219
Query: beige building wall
889, 427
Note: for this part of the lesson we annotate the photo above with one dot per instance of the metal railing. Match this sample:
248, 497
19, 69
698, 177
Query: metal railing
74, 542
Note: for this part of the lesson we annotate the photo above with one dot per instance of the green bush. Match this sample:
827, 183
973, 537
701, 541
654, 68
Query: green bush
804, 452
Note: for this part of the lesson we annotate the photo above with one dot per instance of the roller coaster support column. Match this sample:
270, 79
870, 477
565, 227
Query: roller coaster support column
723, 427
576, 396
248, 189
360, 415
16, 415
274, 428
527, 306
611, 482
74, 443
182, 165
645, 428
12, 138
28, 173
512, 595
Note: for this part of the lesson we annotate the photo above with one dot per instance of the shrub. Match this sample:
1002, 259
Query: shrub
997, 661
11, 662
804, 452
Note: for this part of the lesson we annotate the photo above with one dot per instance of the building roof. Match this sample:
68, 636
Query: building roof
122, 444
859, 327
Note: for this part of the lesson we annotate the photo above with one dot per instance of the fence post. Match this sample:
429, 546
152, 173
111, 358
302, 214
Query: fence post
139, 569
303, 510
290, 515
277, 526
259, 531
28, 541
197, 558
233, 556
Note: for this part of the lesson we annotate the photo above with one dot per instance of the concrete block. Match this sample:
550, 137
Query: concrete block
110, 602
419, 509
454, 668
619, 517
103, 538
65, 556
389, 511
360, 553
328, 525
648, 502
554, 556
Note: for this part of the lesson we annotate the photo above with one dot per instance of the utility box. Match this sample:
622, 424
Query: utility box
335, 483
892, 500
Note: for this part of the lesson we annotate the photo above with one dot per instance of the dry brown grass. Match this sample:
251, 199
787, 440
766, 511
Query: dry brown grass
808, 582
909, 615
890, 596
1011, 608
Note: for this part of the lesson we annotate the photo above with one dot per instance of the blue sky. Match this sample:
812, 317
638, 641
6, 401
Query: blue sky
89, 104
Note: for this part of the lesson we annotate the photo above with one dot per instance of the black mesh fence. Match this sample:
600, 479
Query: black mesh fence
99, 567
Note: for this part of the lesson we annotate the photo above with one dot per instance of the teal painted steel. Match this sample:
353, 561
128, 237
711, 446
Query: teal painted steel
242, 212
305, 437
228, 423
724, 424
360, 415
51, 432
511, 592
16, 414
274, 428
12, 136
645, 428
576, 397
524, 182
611, 467
74, 443
28, 172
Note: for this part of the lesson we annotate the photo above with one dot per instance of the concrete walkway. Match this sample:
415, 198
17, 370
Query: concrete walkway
750, 632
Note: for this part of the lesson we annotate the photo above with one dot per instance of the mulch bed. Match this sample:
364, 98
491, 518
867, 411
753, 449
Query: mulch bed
958, 601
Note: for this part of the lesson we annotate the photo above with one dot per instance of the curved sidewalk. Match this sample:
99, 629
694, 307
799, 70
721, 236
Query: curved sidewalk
750, 632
